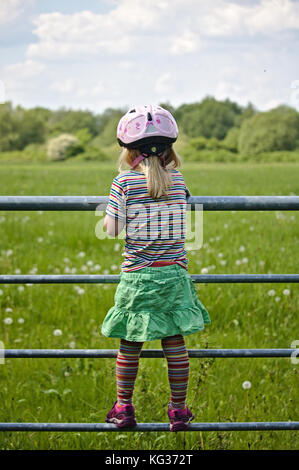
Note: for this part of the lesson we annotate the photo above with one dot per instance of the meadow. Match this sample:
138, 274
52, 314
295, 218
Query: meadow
70, 316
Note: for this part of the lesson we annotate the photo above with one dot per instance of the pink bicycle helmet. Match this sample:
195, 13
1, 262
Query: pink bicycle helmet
151, 129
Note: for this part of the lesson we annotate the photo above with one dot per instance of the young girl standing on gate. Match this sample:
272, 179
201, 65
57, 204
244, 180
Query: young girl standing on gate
155, 298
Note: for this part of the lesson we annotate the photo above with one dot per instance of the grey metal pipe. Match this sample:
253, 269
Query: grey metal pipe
91, 203
114, 278
146, 427
146, 353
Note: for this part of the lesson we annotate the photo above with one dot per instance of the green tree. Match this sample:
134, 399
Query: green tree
70, 121
277, 129
210, 118
8, 131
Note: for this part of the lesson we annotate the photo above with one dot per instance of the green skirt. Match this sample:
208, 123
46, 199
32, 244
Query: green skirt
153, 303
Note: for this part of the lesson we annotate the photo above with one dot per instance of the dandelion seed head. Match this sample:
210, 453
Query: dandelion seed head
246, 385
57, 332
8, 320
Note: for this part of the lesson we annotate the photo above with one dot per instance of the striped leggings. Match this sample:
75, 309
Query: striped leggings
178, 369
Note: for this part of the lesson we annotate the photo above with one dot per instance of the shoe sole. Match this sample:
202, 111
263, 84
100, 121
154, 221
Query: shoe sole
179, 427
122, 423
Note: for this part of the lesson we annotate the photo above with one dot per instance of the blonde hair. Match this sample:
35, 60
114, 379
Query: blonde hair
158, 179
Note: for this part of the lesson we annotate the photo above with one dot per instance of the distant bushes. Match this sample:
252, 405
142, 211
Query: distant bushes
63, 147
273, 130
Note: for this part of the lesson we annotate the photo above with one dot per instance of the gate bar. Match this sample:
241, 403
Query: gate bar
114, 278
145, 427
148, 353
91, 203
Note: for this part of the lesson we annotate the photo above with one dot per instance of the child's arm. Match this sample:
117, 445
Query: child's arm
115, 218
113, 226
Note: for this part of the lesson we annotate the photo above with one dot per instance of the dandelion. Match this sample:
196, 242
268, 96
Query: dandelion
66, 374
277, 299
211, 240
106, 271
97, 267
84, 268
223, 262
245, 260
8, 310
251, 228
116, 246
28, 284
72, 344
235, 322
286, 292
40, 212
220, 255
89, 263
73, 270
8, 320
67, 269
238, 262
50, 232
80, 291
246, 385
40, 239
21, 320
17, 271
242, 248
262, 263
57, 332
20, 288
271, 292
225, 225
1, 292
81, 254
66, 260
9, 252
113, 267
204, 270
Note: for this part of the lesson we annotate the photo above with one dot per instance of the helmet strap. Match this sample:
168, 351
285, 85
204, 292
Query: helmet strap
144, 155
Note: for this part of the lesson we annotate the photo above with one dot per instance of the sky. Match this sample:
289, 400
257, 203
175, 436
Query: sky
99, 54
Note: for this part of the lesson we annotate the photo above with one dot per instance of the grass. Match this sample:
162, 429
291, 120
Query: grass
243, 315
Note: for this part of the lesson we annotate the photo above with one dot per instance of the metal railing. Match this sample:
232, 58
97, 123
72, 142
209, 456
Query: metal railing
91, 203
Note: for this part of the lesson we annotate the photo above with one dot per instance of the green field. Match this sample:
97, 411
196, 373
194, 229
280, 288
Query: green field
243, 315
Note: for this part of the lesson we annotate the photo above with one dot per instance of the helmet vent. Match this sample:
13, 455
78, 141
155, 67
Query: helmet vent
132, 111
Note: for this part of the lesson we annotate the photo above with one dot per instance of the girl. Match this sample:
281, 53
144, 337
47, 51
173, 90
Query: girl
155, 298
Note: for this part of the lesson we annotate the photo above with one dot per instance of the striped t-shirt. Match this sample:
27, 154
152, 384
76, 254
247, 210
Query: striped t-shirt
155, 229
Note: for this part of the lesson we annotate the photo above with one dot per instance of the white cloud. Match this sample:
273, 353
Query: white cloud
12, 9
132, 26
184, 44
142, 51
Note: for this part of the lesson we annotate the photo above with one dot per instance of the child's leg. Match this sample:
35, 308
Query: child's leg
178, 369
126, 370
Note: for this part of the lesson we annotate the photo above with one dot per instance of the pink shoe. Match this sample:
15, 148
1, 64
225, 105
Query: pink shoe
179, 419
123, 417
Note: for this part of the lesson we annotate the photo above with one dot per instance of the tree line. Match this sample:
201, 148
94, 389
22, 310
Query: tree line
205, 127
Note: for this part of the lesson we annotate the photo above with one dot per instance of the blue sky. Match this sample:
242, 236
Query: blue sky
95, 54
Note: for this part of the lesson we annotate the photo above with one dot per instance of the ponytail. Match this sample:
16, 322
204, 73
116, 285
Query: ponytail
158, 179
